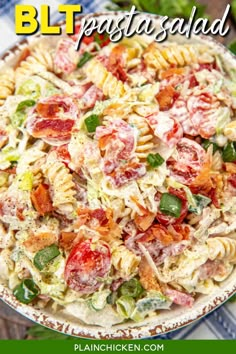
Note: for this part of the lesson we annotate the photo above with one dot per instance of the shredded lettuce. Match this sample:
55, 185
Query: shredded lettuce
25, 181
3, 178
99, 299
7, 156
29, 88
148, 92
19, 117
223, 114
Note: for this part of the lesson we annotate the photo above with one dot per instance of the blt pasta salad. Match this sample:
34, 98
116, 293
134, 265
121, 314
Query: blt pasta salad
117, 176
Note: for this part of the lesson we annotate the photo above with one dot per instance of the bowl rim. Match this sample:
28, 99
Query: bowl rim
51, 321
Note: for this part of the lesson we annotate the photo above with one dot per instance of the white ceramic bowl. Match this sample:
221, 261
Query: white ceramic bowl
165, 321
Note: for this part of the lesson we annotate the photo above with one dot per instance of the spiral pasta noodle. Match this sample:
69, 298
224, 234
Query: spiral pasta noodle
38, 60
7, 85
217, 161
162, 57
123, 260
62, 186
230, 130
145, 138
222, 248
103, 79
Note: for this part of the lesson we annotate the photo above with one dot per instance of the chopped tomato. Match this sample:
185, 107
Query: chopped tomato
10, 170
87, 263
201, 110
66, 57
166, 128
102, 39
166, 219
191, 158
193, 81
208, 66
180, 112
41, 199
62, 153
117, 142
90, 97
232, 180
179, 298
213, 196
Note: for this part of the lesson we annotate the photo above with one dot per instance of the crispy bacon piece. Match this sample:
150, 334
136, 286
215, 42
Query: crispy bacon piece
128, 172
41, 199
52, 119
116, 62
170, 72
55, 128
39, 241
144, 221
166, 97
67, 239
167, 236
99, 220
147, 277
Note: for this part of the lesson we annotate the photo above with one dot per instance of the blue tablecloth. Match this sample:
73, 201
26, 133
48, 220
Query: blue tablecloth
220, 324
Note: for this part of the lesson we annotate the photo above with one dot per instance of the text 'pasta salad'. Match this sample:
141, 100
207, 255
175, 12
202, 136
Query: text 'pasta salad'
117, 176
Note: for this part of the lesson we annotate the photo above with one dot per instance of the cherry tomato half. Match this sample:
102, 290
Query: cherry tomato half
87, 263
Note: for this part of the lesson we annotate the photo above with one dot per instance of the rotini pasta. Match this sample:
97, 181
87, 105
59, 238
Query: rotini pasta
7, 84
123, 260
160, 57
222, 248
104, 80
39, 59
145, 143
60, 180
